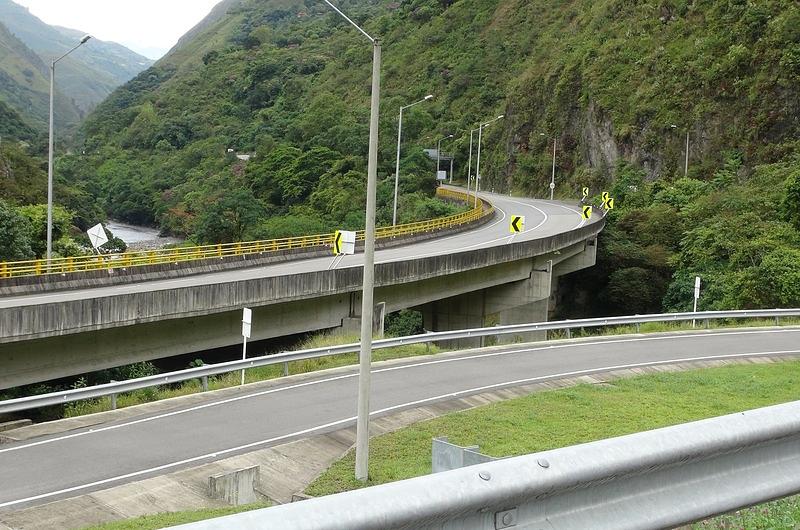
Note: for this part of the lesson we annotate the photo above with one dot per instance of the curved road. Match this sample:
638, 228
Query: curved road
542, 219
65, 465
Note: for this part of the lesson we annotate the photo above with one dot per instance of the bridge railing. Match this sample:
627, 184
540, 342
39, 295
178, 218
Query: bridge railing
246, 248
661, 478
111, 389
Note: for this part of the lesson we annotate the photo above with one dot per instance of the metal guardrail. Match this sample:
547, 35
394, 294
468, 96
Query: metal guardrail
40, 267
110, 389
655, 479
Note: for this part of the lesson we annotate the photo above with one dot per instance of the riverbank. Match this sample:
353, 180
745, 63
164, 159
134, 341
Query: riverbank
140, 237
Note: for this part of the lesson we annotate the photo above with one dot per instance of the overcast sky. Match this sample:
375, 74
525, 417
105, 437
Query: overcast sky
148, 27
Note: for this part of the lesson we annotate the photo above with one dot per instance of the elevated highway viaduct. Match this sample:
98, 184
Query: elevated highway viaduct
482, 276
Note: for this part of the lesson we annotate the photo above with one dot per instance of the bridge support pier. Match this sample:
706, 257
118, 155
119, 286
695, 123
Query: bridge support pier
518, 302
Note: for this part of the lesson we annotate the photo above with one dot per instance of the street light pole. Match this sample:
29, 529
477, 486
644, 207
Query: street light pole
553, 176
686, 165
365, 354
50, 151
478, 163
397, 164
469, 164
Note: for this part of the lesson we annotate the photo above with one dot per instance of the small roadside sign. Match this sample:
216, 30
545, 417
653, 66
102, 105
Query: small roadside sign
696, 287
585, 192
517, 224
97, 235
247, 319
586, 212
608, 203
344, 242
441, 175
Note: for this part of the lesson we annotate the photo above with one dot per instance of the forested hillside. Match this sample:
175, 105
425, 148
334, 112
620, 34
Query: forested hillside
288, 82
85, 77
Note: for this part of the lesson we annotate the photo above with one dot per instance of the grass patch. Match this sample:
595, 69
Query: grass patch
161, 520
584, 413
261, 373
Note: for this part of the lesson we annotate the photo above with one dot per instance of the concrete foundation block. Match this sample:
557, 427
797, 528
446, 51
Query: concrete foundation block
236, 487
14, 424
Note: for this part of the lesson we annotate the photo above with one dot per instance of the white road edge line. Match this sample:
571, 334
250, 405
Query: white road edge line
381, 370
388, 409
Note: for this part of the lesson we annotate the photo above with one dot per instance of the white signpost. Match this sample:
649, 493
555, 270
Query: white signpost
441, 175
97, 235
348, 242
696, 294
247, 319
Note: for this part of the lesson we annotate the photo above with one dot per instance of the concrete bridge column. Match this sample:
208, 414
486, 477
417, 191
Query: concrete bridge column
518, 302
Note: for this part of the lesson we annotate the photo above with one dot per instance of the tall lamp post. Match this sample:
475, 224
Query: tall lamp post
469, 163
478, 163
553, 174
397, 164
686, 162
438, 152
50, 151
365, 357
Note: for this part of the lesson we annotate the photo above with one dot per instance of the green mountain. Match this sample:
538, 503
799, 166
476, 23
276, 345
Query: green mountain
84, 78
606, 80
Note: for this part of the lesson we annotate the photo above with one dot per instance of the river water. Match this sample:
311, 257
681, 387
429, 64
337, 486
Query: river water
139, 236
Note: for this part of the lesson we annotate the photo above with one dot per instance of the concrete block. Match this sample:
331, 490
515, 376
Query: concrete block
15, 424
236, 487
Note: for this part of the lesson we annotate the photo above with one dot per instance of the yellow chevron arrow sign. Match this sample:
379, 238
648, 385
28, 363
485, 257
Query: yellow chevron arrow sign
337, 242
517, 224
587, 212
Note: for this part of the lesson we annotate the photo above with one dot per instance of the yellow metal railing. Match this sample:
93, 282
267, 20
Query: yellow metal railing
38, 267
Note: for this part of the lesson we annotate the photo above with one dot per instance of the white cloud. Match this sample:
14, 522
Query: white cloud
149, 27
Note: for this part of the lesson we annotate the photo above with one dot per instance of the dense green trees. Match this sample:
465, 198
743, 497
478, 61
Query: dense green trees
15, 234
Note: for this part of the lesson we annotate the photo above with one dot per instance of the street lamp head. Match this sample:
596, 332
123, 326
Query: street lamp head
449, 136
85, 38
541, 134
673, 126
501, 116
429, 96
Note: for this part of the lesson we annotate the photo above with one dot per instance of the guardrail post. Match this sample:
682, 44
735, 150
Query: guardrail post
3, 270
204, 382
708, 324
569, 333
285, 369
113, 399
638, 328
777, 321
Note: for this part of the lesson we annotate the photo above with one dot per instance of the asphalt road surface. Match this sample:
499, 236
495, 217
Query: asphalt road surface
542, 219
45, 469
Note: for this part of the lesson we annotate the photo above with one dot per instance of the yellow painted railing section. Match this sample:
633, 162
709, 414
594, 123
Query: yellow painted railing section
176, 255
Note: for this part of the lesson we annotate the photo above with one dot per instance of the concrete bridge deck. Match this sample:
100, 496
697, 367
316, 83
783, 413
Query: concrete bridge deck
471, 278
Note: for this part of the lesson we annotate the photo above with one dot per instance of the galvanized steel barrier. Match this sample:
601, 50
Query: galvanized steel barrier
655, 479
176, 255
78, 394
